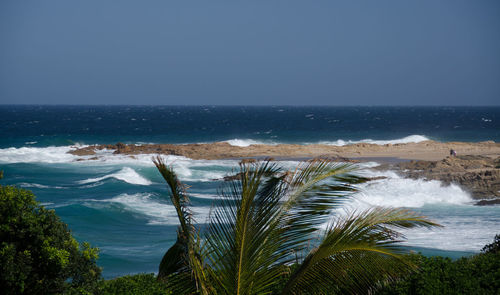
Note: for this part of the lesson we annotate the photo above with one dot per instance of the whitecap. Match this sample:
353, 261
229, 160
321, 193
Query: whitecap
466, 227
156, 211
37, 185
396, 191
407, 139
243, 142
126, 174
37, 155
203, 196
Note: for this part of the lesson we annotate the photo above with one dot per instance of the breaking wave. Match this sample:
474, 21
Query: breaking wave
36, 155
407, 139
396, 191
126, 174
246, 142
145, 204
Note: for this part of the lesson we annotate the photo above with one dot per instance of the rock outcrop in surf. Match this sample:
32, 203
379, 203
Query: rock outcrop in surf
476, 169
479, 175
429, 150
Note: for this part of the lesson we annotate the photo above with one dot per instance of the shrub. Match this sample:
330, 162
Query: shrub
478, 274
38, 254
493, 247
140, 284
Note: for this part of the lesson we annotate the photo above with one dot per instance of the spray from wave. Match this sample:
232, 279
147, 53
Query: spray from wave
396, 191
449, 206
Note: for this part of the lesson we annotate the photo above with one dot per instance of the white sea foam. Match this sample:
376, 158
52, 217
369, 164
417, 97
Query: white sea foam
395, 191
36, 155
126, 174
246, 142
407, 139
37, 185
466, 227
203, 196
157, 211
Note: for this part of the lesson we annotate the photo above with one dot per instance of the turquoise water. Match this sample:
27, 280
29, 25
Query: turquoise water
120, 204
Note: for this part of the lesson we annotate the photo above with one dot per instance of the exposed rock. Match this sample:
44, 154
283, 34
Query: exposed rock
335, 158
248, 161
376, 178
86, 151
488, 202
429, 150
231, 177
477, 174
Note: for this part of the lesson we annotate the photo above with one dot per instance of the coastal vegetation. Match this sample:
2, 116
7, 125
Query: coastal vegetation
264, 235
478, 274
38, 254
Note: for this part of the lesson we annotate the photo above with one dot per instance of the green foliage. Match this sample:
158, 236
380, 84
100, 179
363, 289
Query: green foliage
269, 219
493, 247
38, 255
140, 284
479, 274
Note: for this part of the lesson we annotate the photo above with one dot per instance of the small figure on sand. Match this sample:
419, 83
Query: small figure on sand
453, 153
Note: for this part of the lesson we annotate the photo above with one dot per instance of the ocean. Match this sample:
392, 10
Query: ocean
120, 204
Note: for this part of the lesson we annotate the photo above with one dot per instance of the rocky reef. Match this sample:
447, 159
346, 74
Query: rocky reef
425, 150
479, 175
476, 169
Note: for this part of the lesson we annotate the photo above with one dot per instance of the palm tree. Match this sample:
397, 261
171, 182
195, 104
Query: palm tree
265, 235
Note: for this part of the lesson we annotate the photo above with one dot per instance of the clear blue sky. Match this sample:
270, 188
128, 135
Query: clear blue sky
425, 52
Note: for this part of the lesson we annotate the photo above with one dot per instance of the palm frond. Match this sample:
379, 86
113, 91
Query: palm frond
266, 216
315, 189
176, 259
357, 251
178, 195
241, 232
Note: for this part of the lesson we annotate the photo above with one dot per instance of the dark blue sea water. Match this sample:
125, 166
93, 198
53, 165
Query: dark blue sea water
120, 204
64, 125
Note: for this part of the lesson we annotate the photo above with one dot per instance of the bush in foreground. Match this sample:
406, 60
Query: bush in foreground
479, 274
38, 255
139, 284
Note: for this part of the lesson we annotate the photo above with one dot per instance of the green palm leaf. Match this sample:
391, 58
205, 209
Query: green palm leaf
356, 251
267, 217
176, 258
242, 231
